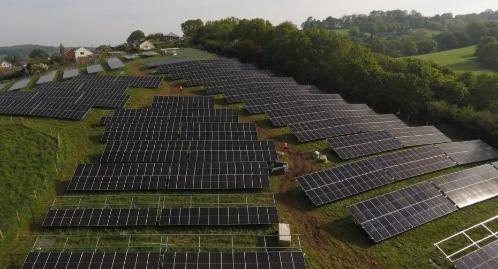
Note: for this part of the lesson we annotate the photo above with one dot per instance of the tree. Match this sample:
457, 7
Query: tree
191, 27
487, 52
61, 49
13, 59
426, 46
38, 54
135, 36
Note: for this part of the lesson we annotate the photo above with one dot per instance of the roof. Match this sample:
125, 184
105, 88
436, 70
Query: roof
171, 34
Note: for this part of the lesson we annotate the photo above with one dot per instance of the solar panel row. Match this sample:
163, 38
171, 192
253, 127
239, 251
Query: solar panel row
126, 217
346, 180
387, 215
168, 260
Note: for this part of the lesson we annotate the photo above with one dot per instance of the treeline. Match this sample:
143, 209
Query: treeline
414, 89
402, 33
487, 52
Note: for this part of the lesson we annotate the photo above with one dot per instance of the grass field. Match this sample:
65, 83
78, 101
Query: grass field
458, 60
39, 155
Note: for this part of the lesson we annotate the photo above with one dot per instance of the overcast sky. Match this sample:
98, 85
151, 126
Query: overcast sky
92, 22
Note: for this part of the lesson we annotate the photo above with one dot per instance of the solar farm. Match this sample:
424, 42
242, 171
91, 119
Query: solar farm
186, 173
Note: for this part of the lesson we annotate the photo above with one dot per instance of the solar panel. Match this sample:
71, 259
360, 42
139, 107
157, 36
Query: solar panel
20, 84
388, 215
94, 259
320, 126
248, 215
469, 151
414, 162
211, 117
100, 217
70, 73
115, 63
346, 180
149, 53
235, 260
416, 136
315, 130
357, 145
131, 57
94, 68
49, 77
349, 179
189, 151
160, 176
181, 131
483, 258
469, 186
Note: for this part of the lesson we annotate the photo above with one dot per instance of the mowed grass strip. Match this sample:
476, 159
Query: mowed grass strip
458, 60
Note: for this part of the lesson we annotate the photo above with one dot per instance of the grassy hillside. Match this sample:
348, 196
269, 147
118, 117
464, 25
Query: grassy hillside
458, 60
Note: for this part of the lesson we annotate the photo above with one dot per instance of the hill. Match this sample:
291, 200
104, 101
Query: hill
458, 60
23, 51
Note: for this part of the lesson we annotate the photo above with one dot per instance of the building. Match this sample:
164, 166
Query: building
171, 37
5, 64
146, 45
78, 54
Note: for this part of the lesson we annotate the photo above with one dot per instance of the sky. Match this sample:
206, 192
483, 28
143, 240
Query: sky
96, 22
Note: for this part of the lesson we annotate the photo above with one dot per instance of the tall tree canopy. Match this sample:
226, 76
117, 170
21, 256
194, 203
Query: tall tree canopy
38, 54
135, 36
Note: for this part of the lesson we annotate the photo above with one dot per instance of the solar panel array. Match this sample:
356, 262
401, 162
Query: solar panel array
179, 143
310, 114
115, 63
73, 99
363, 144
393, 213
20, 84
469, 186
388, 215
162, 176
49, 77
484, 258
183, 216
97, 259
168, 260
156, 153
94, 68
70, 73
469, 151
235, 260
131, 57
349, 179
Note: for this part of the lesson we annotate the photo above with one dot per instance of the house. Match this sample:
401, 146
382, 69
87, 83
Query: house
146, 45
5, 64
171, 37
78, 54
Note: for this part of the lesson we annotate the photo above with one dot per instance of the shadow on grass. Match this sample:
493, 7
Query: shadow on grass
295, 199
349, 232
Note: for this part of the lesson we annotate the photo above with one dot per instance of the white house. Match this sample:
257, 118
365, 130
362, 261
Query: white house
146, 45
82, 53
5, 64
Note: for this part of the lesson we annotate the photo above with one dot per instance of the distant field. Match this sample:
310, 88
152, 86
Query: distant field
458, 60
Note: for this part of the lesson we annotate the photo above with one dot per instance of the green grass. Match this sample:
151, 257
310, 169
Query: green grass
458, 60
